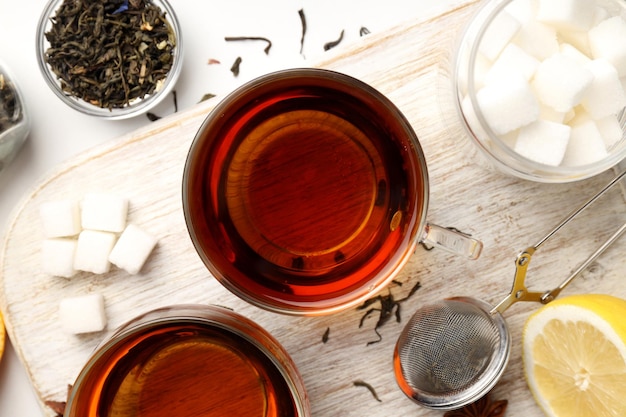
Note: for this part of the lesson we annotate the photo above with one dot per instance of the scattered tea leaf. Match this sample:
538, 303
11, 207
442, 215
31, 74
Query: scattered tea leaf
364, 31
359, 383
303, 22
330, 45
235, 67
213, 61
325, 335
152, 117
389, 307
251, 38
206, 97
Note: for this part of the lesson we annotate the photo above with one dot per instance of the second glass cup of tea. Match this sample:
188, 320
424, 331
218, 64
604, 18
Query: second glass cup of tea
305, 192
189, 360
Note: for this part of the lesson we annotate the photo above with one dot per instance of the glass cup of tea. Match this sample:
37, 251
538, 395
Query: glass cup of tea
186, 360
305, 192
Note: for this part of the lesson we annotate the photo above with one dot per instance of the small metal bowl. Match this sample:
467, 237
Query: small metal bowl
134, 106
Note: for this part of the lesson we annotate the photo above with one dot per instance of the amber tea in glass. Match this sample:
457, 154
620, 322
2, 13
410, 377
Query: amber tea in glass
304, 190
189, 361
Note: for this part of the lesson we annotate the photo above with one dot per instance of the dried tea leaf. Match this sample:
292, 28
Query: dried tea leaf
330, 45
303, 23
359, 383
326, 335
389, 307
206, 97
251, 38
236, 66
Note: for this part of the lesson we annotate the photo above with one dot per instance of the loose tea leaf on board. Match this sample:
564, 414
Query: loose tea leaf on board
389, 307
359, 383
326, 335
110, 53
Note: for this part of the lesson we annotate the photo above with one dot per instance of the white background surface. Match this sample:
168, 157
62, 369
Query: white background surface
59, 132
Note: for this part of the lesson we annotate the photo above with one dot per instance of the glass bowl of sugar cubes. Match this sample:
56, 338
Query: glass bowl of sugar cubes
540, 86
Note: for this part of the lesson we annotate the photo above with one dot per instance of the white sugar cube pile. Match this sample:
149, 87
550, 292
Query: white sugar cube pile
551, 79
90, 235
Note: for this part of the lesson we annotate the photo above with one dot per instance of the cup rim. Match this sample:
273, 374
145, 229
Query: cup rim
418, 169
506, 159
136, 108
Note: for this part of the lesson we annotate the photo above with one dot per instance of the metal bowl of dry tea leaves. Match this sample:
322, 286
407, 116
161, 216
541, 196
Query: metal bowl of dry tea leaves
14, 120
113, 59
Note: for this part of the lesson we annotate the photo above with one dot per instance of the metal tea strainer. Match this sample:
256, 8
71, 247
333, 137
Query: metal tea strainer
452, 352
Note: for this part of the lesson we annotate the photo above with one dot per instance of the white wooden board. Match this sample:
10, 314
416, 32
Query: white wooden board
411, 64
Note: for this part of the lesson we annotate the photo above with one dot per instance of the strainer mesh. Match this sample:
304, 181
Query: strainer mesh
446, 346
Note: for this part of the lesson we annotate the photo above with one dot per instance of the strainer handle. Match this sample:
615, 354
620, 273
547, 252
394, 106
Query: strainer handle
519, 292
552, 294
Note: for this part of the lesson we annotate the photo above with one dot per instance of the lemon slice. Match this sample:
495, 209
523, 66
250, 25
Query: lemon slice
574, 352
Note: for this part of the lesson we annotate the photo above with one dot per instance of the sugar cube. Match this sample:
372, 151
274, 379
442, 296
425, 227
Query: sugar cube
104, 212
573, 52
132, 249
561, 81
508, 103
580, 116
57, 255
610, 129
605, 95
522, 10
569, 116
537, 39
92, 251
499, 33
543, 142
600, 15
83, 314
547, 113
585, 146
60, 218
512, 59
567, 14
608, 40
579, 39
